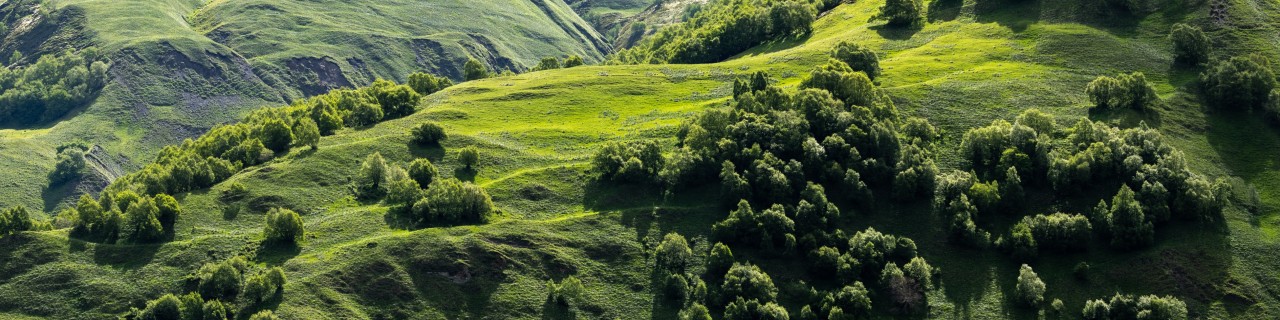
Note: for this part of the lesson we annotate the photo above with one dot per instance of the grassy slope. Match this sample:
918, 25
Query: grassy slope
171, 80
964, 69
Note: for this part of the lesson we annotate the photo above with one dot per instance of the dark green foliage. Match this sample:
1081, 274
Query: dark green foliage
142, 222
673, 254
746, 281
422, 171
1239, 83
568, 292
167, 307
769, 229
858, 57
449, 201
695, 311
872, 248
1081, 271
193, 306
905, 294
901, 13
169, 212
283, 226
361, 108
756, 82
48, 89
1029, 291
853, 302
70, 166
14, 220
263, 286
326, 116
719, 260
573, 61
215, 310
306, 133
752, 309
426, 84
548, 63
1129, 226
428, 133
222, 280
371, 182
474, 70
854, 88
402, 191
1021, 243
629, 162
469, 156
275, 135
1125, 91
264, 315
1190, 45
1127, 307
1059, 231
396, 100
720, 30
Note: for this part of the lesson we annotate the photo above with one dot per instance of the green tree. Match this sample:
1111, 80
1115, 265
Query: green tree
673, 254
719, 260
1239, 83
220, 281
215, 310
474, 70
426, 84
423, 171
1190, 45
469, 156
143, 221
167, 307
858, 57
695, 311
428, 133
396, 100
264, 315
452, 201
573, 61
89, 217
900, 13
283, 226
568, 292
1030, 290
306, 133
70, 165
748, 282
371, 181
326, 116
1129, 226
275, 135
169, 212
14, 220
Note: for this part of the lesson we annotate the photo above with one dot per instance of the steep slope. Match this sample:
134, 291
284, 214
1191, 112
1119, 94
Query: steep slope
180, 67
968, 66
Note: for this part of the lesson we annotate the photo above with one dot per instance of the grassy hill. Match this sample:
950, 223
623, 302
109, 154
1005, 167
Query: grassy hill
973, 63
180, 67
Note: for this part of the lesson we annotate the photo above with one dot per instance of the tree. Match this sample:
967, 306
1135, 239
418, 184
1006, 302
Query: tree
220, 281
275, 135
569, 291
402, 192
428, 133
89, 217
215, 310
1126, 91
283, 226
306, 133
1190, 45
1129, 226
469, 156
422, 171
396, 100
634, 162
1030, 290
746, 281
719, 260
264, 315
143, 221
858, 57
167, 307
169, 210
326, 116
474, 70
673, 254
901, 13
451, 201
573, 61
853, 301
695, 311
371, 181
70, 166
1239, 83
547, 63
426, 84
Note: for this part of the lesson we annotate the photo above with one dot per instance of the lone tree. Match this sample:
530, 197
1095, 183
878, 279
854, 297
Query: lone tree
901, 13
283, 226
573, 61
474, 70
1030, 290
1190, 45
858, 57
428, 133
469, 156
371, 182
70, 165
674, 254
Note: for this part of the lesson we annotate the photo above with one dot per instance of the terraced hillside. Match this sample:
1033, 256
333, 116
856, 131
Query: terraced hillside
972, 63
180, 67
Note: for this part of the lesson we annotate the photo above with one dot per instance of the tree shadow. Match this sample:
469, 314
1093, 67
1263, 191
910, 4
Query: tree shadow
433, 152
1128, 118
125, 256
465, 174
401, 218
944, 10
1017, 15
276, 253
556, 311
897, 32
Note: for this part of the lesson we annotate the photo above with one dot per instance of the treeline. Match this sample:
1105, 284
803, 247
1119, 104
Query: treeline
18, 219
722, 29
230, 289
51, 87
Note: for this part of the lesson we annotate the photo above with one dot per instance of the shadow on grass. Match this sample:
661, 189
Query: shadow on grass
433, 152
276, 253
944, 10
465, 174
1017, 15
897, 32
125, 256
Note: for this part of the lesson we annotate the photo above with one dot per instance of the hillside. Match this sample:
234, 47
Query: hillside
537, 132
179, 67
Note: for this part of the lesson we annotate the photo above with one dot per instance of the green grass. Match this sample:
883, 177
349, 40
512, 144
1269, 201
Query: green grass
536, 131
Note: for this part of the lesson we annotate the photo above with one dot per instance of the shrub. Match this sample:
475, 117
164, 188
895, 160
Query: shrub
169, 212
449, 201
695, 311
769, 229
215, 310
70, 166
283, 226
858, 57
1190, 45
361, 109
901, 13
306, 133
371, 181
469, 156
14, 220
143, 221
1030, 290
1239, 83
1144, 307
275, 135
167, 307
1059, 231
264, 315
720, 30
568, 292
396, 100
422, 171
426, 84
853, 301
573, 61
51, 87
673, 254
1126, 91
634, 162
428, 133
474, 70
746, 281
1129, 226
719, 260
547, 63
222, 281
752, 309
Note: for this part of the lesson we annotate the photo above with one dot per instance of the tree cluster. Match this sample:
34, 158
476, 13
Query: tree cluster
70, 164
18, 219
223, 290
722, 29
1129, 307
425, 83
1124, 91
901, 13
1059, 232
51, 87
421, 194
124, 216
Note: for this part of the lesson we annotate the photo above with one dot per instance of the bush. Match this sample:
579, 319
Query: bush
746, 281
769, 229
426, 84
143, 223
720, 30
1068, 232
743, 309
14, 220
396, 100
568, 292
1126, 91
547, 63
70, 166
673, 254
695, 311
50, 88
858, 57
167, 307
371, 182
901, 13
264, 315
573, 61
633, 162
222, 281
1144, 307
1190, 45
474, 70
719, 260
1030, 290
283, 226
428, 133
449, 201
306, 133
1129, 226
169, 212
275, 135
853, 301
423, 171
469, 156
215, 310
1239, 83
